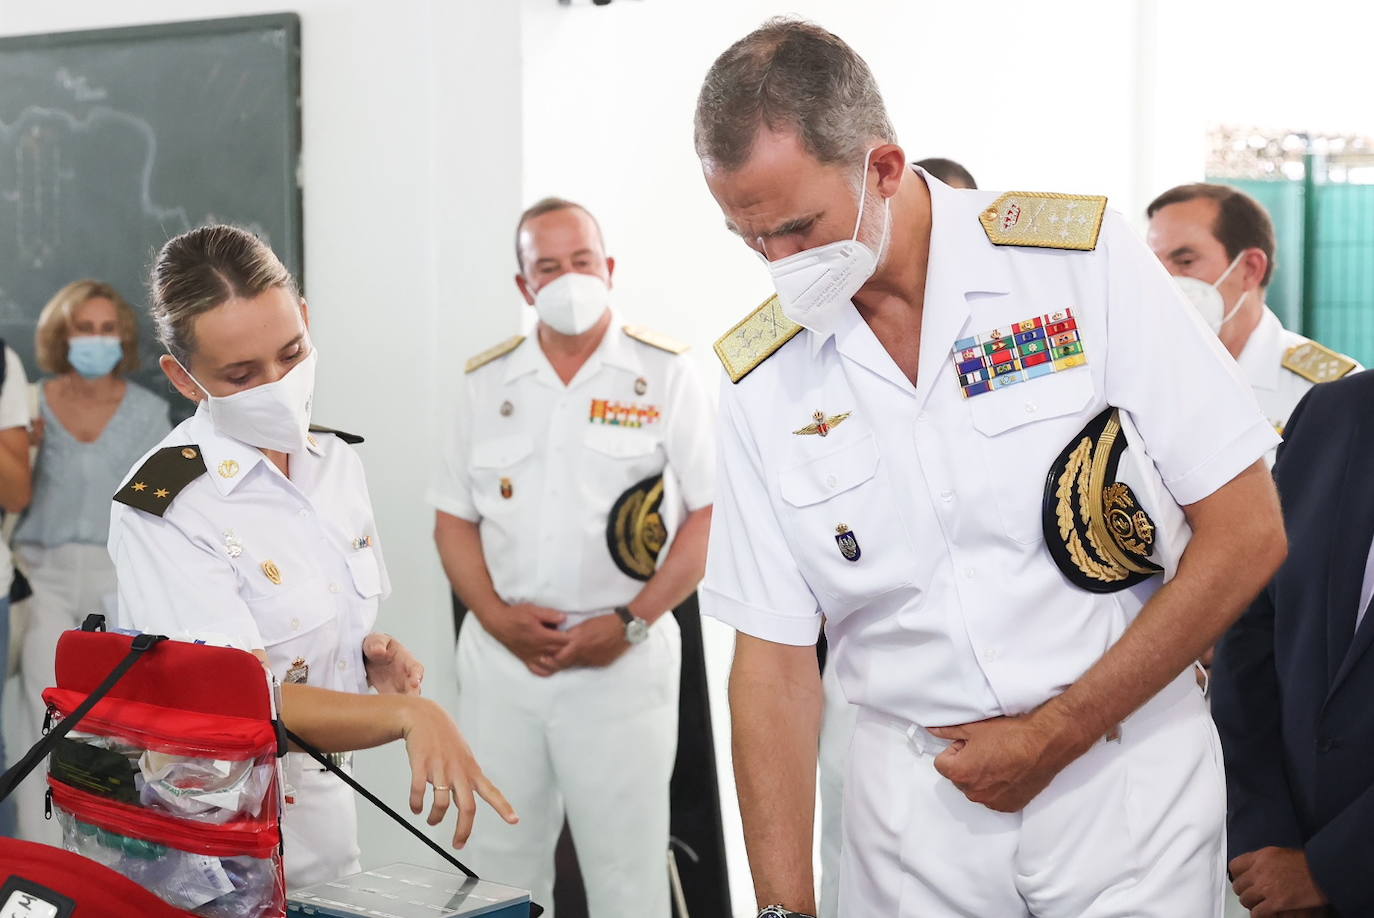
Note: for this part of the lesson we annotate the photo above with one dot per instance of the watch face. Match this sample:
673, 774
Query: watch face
636, 631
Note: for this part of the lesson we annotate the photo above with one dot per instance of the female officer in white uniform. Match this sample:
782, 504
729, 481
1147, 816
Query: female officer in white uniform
245, 526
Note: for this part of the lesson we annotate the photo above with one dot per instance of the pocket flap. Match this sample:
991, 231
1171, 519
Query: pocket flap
502, 452
834, 473
367, 575
620, 442
1034, 400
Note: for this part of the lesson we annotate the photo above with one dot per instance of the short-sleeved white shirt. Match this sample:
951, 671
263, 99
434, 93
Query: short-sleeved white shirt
202, 568
1277, 388
539, 465
14, 412
953, 610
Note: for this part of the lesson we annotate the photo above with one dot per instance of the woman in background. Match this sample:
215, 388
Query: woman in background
93, 424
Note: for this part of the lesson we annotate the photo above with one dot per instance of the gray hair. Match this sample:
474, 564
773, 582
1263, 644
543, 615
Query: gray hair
203, 269
790, 74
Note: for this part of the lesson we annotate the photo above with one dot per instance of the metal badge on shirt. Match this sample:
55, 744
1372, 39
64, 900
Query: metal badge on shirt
1027, 350
822, 423
298, 673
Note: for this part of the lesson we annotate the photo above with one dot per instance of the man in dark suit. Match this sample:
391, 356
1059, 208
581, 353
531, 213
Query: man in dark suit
1293, 682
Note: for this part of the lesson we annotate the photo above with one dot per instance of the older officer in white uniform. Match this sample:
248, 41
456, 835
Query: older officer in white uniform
1218, 242
573, 452
247, 526
1026, 746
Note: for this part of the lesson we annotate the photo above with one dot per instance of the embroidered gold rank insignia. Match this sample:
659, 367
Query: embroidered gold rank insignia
654, 339
494, 353
1044, 220
1316, 363
754, 339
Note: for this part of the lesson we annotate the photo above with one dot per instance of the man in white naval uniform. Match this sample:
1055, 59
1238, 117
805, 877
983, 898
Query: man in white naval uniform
1219, 242
888, 424
574, 453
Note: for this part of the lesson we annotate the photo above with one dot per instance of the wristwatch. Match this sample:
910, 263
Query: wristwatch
636, 628
777, 911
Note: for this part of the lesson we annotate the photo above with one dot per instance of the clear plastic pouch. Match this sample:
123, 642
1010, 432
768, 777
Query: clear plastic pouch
209, 885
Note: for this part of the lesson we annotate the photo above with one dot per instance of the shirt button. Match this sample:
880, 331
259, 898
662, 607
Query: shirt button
921, 416
302, 512
992, 655
969, 573
342, 665
295, 624
1032, 408
831, 481
333, 588
946, 496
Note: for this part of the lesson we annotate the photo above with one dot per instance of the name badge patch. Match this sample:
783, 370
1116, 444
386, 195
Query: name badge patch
1027, 350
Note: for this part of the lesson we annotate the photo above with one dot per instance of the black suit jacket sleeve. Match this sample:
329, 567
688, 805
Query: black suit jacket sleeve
1246, 707
1340, 855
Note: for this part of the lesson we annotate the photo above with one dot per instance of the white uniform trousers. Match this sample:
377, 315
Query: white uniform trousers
596, 743
837, 731
319, 830
1134, 827
69, 582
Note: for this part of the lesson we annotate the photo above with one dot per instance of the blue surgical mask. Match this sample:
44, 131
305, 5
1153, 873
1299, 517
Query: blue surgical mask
94, 356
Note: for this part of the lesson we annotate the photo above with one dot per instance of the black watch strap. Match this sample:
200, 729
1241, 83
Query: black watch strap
624, 614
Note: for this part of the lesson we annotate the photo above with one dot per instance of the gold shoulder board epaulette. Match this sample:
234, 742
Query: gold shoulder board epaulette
1316, 363
654, 339
756, 338
494, 353
350, 439
163, 476
1044, 220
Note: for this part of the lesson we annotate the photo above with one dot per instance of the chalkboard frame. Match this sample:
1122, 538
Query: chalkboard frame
290, 23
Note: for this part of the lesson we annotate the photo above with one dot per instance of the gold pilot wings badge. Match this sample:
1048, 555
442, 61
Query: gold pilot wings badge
821, 424
1045, 220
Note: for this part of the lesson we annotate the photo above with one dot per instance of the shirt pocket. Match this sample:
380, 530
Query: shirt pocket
1023, 428
366, 572
616, 459
500, 477
297, 624
840, 518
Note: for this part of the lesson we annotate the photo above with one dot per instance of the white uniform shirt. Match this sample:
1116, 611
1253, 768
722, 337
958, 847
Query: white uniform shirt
14, 412
518, 431
202, 568
953, 610
1261, 360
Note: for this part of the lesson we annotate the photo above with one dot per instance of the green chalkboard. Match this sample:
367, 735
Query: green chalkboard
112, 141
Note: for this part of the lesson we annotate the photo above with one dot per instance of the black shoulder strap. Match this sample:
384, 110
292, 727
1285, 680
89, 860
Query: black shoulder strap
324, 760
141, 645
161, 477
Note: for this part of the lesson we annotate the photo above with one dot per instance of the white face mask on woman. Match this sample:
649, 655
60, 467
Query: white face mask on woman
1207, 299
572, 303
815, 284
274, 415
